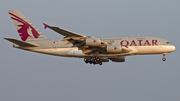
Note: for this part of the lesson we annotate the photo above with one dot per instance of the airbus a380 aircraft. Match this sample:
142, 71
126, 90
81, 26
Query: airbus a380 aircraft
93, 50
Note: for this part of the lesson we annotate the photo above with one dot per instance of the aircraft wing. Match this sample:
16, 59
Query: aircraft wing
62, 31
80, 41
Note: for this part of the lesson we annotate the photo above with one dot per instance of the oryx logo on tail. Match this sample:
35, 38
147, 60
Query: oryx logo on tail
25, 30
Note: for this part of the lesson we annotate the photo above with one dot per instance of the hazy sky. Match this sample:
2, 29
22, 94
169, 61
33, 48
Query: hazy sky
28, 76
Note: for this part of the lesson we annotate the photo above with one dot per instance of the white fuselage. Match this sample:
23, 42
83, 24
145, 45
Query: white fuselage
139, 46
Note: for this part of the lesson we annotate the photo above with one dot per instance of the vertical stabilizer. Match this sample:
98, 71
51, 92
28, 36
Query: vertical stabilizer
25, 28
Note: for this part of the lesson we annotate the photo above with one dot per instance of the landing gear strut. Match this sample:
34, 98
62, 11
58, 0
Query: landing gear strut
164, 59
94, 60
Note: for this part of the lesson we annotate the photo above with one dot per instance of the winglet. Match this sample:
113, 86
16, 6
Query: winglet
45, 26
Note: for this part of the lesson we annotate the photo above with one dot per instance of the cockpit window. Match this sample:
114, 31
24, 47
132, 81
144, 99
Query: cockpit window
167, 42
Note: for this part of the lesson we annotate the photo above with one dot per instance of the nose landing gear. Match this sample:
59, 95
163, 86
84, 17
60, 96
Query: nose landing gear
92, 61
164, 59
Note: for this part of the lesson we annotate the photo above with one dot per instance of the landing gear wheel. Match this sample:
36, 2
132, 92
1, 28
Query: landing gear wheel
164, 59
97, 62
85, 60
100, 63
94, 60
90, 62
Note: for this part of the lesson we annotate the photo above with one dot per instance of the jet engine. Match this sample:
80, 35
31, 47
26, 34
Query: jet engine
114, 48
118, 59
93, 41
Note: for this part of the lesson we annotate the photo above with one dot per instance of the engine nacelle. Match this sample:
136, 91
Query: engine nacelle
118, 59
114, 48
93, 41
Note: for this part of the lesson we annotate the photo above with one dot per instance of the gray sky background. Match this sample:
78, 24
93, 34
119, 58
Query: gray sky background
28, 76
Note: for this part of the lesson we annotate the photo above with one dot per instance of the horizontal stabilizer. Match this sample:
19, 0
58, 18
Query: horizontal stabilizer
21, 43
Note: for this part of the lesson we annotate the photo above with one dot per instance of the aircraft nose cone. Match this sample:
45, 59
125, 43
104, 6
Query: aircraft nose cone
173, 47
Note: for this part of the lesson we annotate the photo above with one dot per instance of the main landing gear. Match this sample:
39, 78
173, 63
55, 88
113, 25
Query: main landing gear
94, 61
164, 59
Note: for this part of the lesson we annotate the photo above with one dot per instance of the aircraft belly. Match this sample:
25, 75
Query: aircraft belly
66, 52
76, 53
